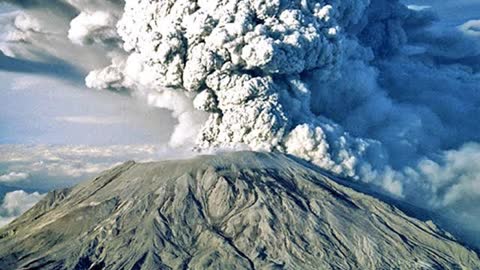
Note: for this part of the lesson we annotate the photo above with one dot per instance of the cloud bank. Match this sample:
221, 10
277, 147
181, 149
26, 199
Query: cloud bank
13, 176
370, 90
16, 203
42, 165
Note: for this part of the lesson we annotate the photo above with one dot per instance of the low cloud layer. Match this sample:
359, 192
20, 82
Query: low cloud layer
41, 166
13, 177
370, 90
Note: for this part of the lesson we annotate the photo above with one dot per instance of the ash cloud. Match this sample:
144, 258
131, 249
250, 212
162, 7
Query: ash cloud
370, 90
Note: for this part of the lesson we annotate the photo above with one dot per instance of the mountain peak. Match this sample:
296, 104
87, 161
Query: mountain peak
242, 210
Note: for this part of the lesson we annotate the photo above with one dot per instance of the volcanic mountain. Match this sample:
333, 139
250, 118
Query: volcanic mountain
242, 210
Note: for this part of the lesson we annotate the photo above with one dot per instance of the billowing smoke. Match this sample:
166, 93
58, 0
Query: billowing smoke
259, 68
244, 63
371, 90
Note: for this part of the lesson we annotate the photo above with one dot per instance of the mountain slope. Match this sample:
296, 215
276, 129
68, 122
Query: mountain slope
239, 210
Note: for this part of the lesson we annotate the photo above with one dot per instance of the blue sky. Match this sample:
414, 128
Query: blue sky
36, 109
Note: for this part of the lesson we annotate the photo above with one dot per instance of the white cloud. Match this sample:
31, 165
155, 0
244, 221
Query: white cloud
13, 176
93, 27
471, 27
454, 178
16, 203
419, 7
27, 23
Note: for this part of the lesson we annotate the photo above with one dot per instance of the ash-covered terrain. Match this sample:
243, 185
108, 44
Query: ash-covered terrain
242, 210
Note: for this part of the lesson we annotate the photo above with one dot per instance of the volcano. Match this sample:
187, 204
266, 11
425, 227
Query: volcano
242, 210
